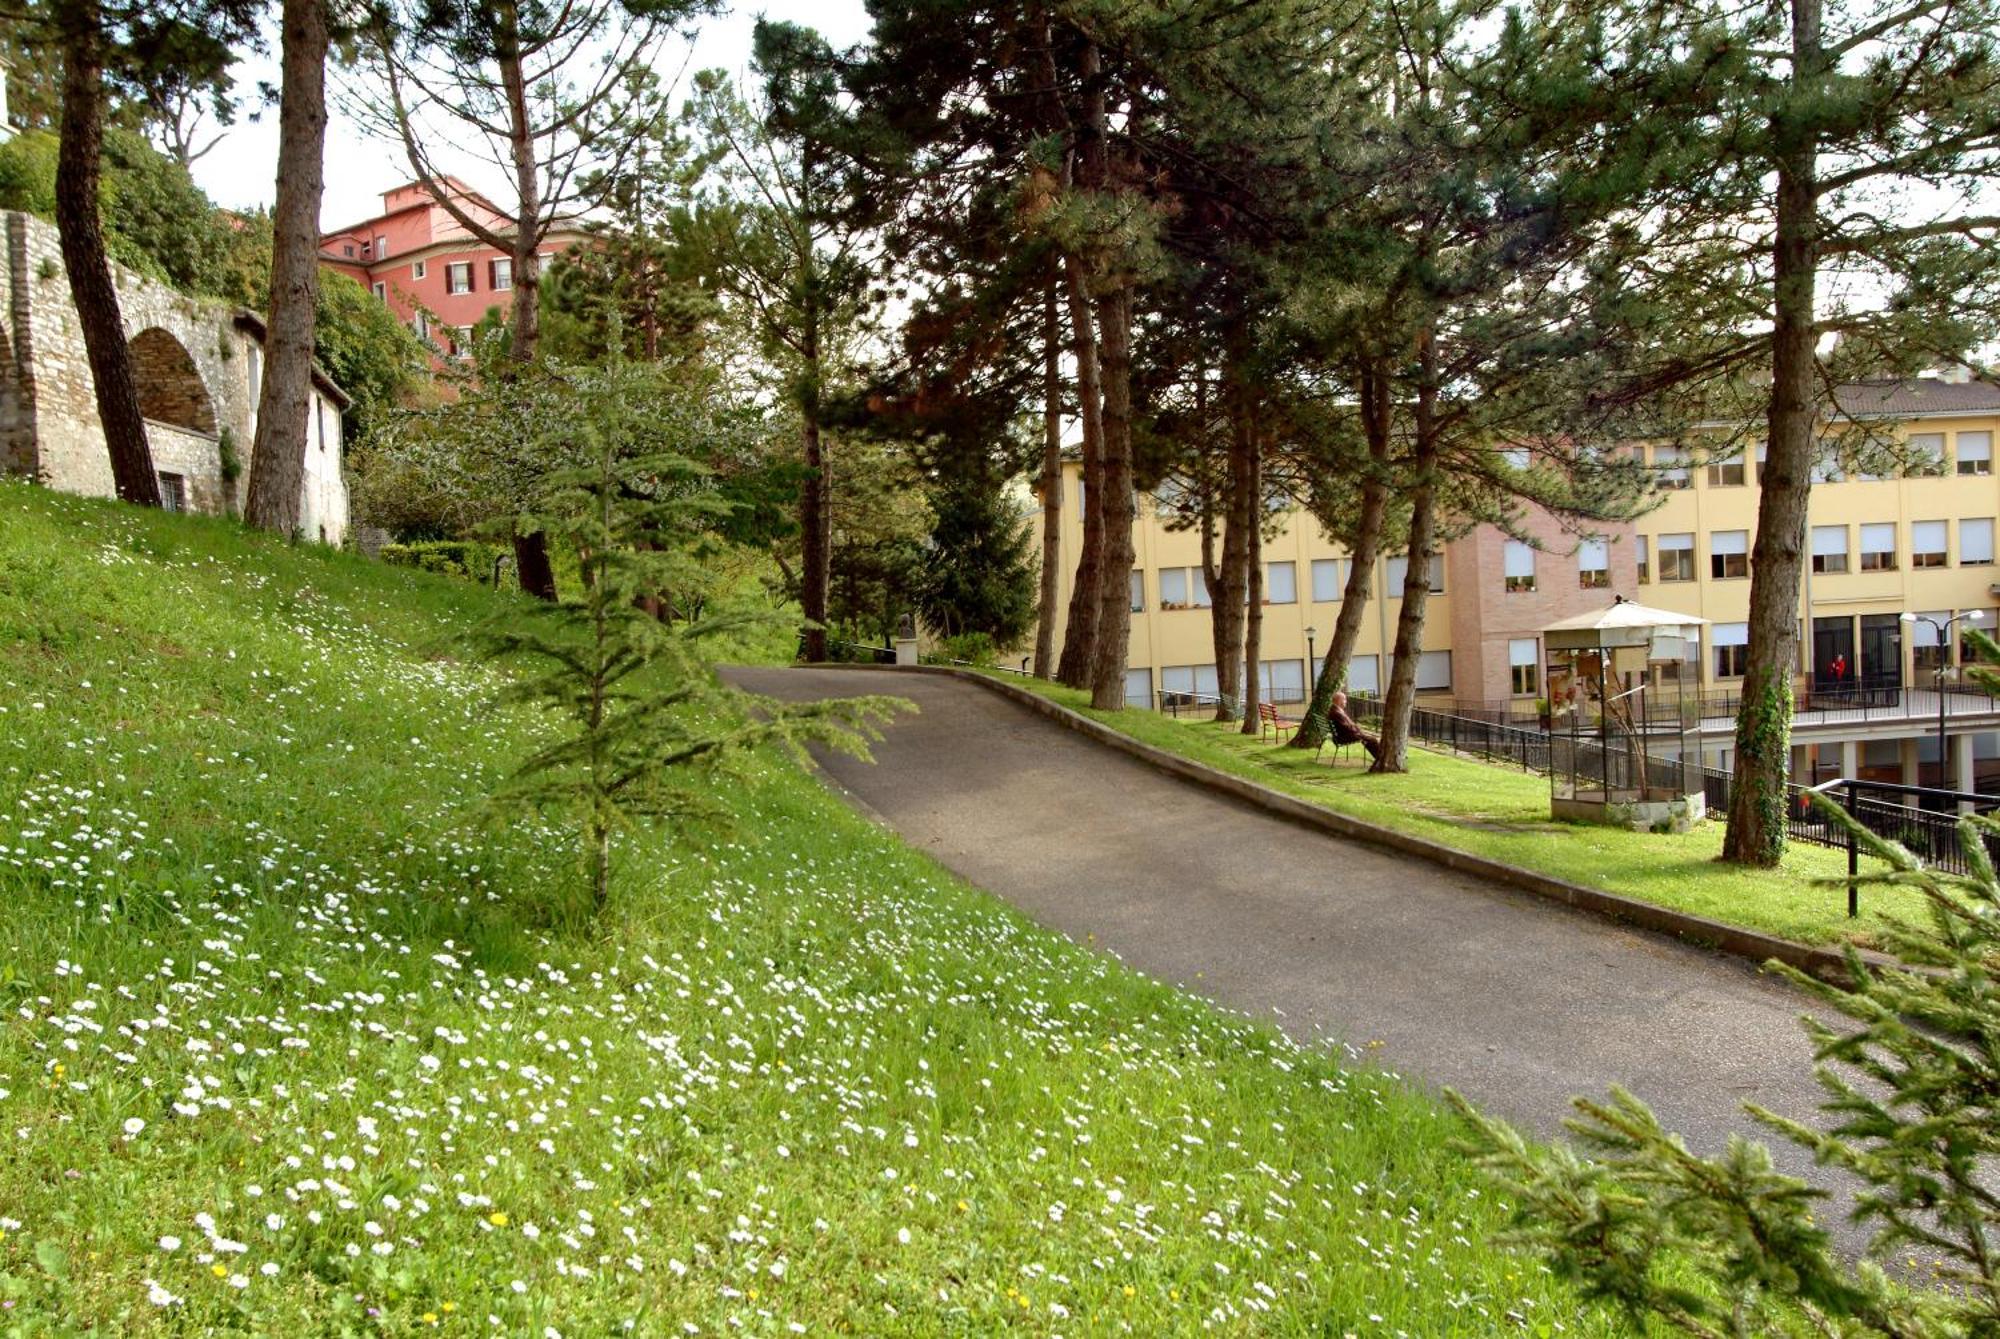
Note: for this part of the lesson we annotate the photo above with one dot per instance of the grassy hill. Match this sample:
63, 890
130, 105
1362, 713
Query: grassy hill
289, 1046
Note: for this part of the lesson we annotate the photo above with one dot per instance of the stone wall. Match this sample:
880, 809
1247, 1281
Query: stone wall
196, 364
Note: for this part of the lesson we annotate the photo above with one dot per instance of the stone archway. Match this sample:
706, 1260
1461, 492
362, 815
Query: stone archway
171, 390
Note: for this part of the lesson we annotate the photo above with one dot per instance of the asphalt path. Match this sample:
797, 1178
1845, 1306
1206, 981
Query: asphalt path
1442, 978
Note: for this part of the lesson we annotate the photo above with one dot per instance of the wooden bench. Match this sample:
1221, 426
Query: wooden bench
1272, 723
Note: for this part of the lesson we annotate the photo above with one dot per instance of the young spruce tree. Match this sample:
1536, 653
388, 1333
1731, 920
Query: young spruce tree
642, 720
1729, 1245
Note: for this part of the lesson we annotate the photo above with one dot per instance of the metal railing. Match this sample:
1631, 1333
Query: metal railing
1924, 820
853, 652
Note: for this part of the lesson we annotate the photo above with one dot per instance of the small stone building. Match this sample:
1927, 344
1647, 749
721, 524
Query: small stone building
199, 365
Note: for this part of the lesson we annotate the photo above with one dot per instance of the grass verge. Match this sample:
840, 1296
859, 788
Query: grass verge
1503, 814
287, 1047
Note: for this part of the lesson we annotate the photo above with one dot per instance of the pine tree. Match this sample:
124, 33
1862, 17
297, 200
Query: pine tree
1730, 1246
640, 717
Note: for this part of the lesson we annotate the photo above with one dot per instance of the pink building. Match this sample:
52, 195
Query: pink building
433, 273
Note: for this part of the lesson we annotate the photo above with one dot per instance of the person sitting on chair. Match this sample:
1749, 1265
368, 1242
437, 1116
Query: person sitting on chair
1345, 731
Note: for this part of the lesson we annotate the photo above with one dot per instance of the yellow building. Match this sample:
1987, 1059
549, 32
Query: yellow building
1913, 541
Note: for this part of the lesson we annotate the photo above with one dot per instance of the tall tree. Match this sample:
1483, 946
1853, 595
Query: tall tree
790, 248
78, 174
1050, 485
278, 459
555, 94
1835, 122
105, 45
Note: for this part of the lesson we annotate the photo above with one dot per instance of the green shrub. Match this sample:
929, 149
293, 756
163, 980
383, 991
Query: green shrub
452, 557
974, 647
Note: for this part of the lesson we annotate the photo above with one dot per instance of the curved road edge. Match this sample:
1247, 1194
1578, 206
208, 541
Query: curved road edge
1828, 964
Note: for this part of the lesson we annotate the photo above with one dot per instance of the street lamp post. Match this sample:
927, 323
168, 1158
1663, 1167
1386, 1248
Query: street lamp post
1943, 631
1309, 655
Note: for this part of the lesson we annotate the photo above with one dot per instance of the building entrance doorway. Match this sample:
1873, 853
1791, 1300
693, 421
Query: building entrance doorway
1881, 652
1833, 668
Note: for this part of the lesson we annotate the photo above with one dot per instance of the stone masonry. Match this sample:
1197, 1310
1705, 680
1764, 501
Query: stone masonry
198, 363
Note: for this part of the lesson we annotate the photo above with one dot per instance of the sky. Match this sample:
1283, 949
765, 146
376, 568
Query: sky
239, 172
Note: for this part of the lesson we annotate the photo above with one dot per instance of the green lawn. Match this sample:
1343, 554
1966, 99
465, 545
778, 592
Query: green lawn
1503, 813
290, 1048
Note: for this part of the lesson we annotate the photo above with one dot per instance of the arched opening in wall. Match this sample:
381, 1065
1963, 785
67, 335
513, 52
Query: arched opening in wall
171, 390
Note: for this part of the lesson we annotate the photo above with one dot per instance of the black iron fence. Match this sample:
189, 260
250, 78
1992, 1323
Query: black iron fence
854, 653
1923, 819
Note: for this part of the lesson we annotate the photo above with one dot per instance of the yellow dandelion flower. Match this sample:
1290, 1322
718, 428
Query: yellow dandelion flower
220, 1271
963, 1207
497, 1219
430, 1317
449, 1307
1130, 1291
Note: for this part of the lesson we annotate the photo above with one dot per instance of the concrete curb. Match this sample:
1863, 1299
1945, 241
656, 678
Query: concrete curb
1829, 964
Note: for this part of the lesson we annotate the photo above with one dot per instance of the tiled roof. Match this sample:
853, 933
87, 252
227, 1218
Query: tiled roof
1916, 397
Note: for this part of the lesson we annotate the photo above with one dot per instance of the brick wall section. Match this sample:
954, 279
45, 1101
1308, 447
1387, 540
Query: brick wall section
1485, 615
171, 389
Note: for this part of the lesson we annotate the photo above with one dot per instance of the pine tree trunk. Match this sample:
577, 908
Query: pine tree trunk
531, 551
536, 573
1375, 424
1230, 592
816, 535
1114, 607
1226, 596
1756, 834
79, 158
1080, 628
524, 341
1253, 588
284, 406
1221, 638
1045, 629
1401, 699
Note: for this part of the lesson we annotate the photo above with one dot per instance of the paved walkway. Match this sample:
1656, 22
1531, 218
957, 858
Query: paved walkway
1515, 1002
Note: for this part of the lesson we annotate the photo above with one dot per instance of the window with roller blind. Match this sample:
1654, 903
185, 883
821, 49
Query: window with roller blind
1729, 555
1927, 652
1727, 473
1677, 557
1929, 544
1593, 564
1524, 662
1329, 578
1399, 571
1975, 542
1183, 588
1434, 672
1281, 583
1829, 549
1926, 455
1670, 464
1974, 453
1519, 566
1642, 550
1732, 649
1878, 547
